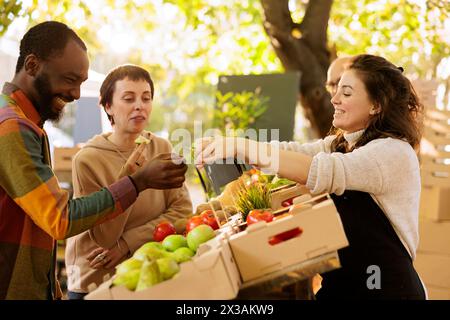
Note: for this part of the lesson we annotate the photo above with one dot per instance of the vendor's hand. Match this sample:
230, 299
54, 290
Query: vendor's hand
136, 160
211, 149
101, 258
165, 171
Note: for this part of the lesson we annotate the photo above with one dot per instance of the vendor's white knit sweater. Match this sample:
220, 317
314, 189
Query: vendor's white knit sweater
388, 169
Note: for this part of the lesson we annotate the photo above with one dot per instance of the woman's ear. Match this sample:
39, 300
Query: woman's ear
374, 110
108, 109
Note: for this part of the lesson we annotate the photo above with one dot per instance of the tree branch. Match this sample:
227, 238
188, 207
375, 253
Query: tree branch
306, 52
315, 23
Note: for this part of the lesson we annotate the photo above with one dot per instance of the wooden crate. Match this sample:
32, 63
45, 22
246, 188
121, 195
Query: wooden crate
435, 165
62, 158
433, 258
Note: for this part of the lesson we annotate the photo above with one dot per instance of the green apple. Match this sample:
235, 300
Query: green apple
183, 254
199, 235
173, 242
150, 275
168, 267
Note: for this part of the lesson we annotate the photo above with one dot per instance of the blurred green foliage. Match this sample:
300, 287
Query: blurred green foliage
240, 110
187, 44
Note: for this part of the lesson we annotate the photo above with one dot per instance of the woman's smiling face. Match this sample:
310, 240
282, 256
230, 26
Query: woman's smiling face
352, 105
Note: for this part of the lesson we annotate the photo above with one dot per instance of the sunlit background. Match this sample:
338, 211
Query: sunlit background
186, 45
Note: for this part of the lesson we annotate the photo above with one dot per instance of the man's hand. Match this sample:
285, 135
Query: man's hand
165, 171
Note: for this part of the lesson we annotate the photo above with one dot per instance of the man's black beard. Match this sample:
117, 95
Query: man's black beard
44, 103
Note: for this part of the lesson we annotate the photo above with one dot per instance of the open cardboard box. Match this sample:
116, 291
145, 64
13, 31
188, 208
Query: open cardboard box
226, 263
210, 275
284, 193
321, 232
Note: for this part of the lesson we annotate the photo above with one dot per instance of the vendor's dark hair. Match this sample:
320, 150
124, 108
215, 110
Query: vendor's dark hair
129, 71
400, 112
46, 39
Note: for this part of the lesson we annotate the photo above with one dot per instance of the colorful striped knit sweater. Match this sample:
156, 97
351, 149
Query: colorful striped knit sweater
34, 210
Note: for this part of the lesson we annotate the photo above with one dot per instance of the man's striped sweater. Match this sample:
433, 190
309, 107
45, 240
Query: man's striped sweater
34, 210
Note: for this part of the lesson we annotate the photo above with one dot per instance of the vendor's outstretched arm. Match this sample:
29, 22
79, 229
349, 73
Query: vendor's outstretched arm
289, 164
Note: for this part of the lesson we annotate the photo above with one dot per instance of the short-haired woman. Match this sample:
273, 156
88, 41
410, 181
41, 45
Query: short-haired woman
126, 96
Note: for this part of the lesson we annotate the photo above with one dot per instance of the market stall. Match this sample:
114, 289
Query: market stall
248, 255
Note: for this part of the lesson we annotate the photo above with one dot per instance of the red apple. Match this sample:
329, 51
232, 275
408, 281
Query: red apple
209, 219
162, 230
193, 222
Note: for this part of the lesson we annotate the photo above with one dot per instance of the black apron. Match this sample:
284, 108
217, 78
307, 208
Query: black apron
373, 244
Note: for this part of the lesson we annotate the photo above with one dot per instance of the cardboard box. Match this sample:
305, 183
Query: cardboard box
434, 237
435, 202
211, 275
438, 293
437, 133
437, 115
62, 158
434, 269
278, 196
426, 90
322, 232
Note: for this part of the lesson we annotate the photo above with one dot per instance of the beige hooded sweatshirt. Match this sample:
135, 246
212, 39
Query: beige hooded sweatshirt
97, 165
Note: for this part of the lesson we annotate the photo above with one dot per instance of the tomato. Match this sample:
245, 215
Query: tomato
209, 219
162, 230
194, 222
259, 215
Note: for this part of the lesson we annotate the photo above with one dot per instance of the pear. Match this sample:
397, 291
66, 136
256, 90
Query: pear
149, 252
150, 275
168, 267
129, 279
128, 265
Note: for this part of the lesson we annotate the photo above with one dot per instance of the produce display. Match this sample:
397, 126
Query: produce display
253, 196
252, 192
159, 260
282, 232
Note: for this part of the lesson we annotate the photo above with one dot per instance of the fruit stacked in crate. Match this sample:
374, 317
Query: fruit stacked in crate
176, 267
282, 192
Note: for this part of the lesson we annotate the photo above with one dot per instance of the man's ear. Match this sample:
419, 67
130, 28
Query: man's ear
32, 65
